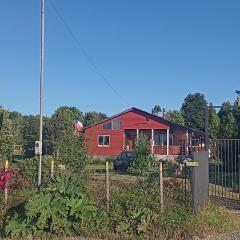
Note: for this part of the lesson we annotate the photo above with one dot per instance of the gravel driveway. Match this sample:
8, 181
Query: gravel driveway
227, 236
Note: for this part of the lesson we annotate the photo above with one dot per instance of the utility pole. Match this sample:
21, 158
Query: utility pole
41, 92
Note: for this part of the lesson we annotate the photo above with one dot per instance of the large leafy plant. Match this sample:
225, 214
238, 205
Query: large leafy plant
134, 213
61, 208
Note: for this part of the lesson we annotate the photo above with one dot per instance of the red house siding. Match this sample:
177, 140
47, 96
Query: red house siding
129, 120
135, 120
91, 138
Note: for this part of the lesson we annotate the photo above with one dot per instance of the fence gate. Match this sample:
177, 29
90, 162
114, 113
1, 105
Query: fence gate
224, 172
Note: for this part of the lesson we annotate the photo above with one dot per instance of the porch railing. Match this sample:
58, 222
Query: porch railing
160, 150
177, 150
173, 150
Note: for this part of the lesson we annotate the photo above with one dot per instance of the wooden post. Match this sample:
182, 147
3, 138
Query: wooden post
107, 185
52, 168
187, 143
167, 141
152, 141
161, 186
6, 185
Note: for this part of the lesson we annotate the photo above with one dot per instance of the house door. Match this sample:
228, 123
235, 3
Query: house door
131, 143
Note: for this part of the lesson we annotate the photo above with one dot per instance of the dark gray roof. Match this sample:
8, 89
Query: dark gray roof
160, 119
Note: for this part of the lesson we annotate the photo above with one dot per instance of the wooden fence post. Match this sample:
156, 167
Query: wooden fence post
161, 186
6, 185
107, 185
52, 168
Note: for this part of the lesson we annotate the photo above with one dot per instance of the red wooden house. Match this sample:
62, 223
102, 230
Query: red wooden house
118, 133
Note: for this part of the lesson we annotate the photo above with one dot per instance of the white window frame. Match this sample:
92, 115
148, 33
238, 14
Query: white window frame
103, 140
161, 139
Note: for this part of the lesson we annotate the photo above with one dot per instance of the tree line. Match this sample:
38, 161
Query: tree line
224, 123
58, 134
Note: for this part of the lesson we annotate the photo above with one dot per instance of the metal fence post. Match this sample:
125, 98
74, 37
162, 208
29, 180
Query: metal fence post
161, 186
107, 185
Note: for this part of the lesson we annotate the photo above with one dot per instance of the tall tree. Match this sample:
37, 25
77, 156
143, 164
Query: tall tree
30, 133
70, 145
236, 112
93, 117
228, 124
156, 110
214, 123
6, 134
193, 111
175, 116
17, 122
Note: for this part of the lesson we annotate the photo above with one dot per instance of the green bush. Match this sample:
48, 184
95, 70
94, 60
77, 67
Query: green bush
169, 169
61, 208
144, 163
29, 169
133, 212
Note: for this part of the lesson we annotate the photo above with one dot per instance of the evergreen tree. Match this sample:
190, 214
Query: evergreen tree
214, 123
30, 133
6, 135
93, 117
156, 110
193, 111
175, 116
70, 145
228, 124
236, 113
17, 123
143, 164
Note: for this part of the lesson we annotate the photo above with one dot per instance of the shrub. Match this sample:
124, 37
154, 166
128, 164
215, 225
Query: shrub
144, 162
134, 212
29, 169
12, 178
61, 208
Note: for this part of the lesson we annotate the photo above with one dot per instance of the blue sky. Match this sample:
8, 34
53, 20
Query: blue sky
151, 51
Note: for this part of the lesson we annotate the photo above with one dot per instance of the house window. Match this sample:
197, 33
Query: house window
107, 125
161, 139
103, 140
116, 124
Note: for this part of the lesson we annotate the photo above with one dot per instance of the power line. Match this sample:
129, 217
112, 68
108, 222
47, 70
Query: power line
85, 54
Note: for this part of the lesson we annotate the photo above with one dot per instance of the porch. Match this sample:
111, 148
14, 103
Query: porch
165, 142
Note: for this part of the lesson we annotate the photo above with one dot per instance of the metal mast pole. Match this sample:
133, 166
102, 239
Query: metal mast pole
41, 93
